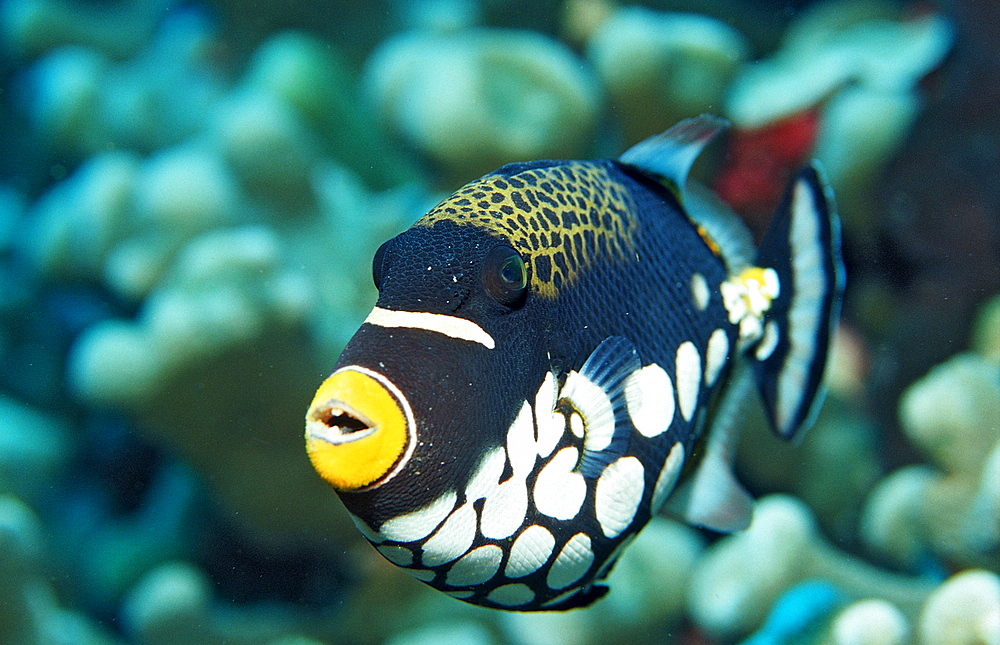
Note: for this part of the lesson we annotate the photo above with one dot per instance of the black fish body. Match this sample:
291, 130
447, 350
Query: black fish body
547, 352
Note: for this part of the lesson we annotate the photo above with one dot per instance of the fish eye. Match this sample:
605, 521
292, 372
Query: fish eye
504, 275
377, 264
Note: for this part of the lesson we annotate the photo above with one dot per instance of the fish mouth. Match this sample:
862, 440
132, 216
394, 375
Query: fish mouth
360, 429
338, 423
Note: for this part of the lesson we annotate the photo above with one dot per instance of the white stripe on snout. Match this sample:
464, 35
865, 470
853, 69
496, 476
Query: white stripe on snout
441, 323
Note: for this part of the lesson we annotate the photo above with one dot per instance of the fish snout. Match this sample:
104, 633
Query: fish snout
359, 429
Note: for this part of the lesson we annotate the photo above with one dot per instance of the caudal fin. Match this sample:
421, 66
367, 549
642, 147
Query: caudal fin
802, 245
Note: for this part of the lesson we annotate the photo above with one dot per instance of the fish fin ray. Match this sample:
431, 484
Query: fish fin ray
607, 425
802, 245
669, 156
711, 496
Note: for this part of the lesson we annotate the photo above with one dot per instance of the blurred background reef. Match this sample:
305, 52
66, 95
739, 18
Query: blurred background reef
190, 196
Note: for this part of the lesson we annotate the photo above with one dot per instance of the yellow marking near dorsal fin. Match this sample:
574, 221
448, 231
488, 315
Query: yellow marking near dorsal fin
712, 245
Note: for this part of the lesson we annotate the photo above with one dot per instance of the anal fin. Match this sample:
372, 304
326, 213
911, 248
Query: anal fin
712, 497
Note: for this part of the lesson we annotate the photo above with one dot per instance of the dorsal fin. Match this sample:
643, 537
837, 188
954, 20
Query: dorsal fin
669, 156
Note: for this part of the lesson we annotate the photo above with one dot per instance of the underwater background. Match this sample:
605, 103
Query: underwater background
190, 197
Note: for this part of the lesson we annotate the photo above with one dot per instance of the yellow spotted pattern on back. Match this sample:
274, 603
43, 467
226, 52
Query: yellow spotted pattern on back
562, 217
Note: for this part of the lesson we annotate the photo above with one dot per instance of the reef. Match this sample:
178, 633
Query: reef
190, 197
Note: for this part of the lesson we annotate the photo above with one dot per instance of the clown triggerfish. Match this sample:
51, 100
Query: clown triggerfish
555, 348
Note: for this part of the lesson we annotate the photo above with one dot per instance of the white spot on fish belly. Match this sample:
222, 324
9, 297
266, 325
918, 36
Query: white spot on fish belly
419, 524
367, 531
530, 551
649, 395
513, 595
688, 378
398, 555
476, 567
715, 355
619, 491
484, 481
521, 443
453, 538
573, 561
667, 478
421, 574
504, 509
559, 490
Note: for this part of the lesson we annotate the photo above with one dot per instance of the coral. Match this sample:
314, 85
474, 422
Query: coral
190, 198
870, 622
965, 610
836, 43
83, 101
950, 509
34, 448
796, 613
221, 239
30, 613
31, 27
741, 576
173, 604
476, 99
658, 67
857, 63
314, 87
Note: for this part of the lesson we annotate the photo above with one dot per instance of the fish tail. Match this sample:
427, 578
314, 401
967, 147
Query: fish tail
802, 246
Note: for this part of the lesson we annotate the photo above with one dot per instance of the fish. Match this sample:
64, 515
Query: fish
559, 351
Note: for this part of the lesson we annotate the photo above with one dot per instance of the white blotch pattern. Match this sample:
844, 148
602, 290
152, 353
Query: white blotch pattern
461, 594
420, 523
611, 559
716, 355
576, 425
619, 491
453, 538
595, 406
551, 424
559, 490
768, 342
504, 509
688, 378
484, 480
476, 567
398, 555
572, 563
513, 595
699, 291
366, 530
521, 443
560, 598
421, 574
667, 478
649, 395
530, 551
